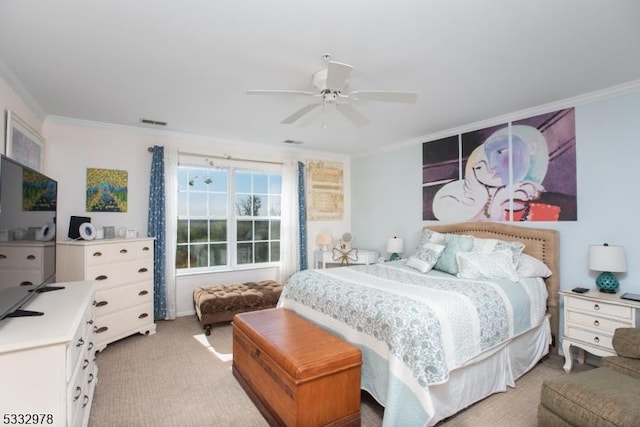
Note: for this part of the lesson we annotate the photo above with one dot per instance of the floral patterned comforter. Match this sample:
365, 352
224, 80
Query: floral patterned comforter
418, 327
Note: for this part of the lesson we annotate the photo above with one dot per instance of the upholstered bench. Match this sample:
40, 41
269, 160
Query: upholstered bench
598, 397
219, 303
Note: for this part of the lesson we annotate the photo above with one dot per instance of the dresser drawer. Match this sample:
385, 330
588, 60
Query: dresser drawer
108, 276
21, 257
121, 297
22, 277
600, 308
601, 340
595, 322
117, 252
119, 324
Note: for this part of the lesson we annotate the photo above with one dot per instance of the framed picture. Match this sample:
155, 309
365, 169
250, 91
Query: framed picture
24, 145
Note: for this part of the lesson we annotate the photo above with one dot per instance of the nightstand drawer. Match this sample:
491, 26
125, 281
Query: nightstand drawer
602, 340
600, 308
594, 322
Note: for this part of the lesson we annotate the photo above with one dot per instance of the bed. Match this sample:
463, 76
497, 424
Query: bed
434, 343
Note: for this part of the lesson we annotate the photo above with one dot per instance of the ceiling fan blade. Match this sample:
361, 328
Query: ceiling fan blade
390, 96
337, 75
301, 112
279, 92
352, 114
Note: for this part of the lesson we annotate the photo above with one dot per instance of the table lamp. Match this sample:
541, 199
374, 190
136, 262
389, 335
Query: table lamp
324, 240
395, 246
607, 259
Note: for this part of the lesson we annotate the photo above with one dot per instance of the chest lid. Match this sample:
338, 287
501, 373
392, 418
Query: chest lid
301, 348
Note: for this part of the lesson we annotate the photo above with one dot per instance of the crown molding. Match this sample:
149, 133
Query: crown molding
610, 92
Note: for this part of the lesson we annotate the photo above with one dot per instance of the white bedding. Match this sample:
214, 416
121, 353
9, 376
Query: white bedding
425, 338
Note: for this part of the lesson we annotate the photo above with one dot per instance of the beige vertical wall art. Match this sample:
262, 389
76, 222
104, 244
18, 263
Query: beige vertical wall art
325, 190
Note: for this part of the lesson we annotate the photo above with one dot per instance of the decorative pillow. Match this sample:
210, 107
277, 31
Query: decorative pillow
496, 265
529, 266
425, 257
454, 243
487, 246
430, 236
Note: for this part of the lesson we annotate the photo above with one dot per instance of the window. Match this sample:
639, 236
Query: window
227, 217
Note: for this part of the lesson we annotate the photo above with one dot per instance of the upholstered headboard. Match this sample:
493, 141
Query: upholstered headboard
541, 243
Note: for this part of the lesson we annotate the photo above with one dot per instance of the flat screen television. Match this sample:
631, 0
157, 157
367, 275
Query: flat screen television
28, 207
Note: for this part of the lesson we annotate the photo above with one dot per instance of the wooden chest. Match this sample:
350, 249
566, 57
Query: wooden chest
295, 372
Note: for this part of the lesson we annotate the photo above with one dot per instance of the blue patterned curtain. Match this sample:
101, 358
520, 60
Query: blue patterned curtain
156, 229
302, 212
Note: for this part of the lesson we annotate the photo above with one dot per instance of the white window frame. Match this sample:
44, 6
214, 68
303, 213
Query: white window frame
231, 218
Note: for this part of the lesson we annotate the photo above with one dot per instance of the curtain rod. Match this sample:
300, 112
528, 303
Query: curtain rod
225, 157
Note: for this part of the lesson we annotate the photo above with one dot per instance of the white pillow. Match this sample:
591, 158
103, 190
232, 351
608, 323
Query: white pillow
425, 257
529, 266
486, 246
495, 265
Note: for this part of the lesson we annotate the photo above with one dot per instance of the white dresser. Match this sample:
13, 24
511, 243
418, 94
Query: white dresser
26, 262
590, 319
123, 272
47, 368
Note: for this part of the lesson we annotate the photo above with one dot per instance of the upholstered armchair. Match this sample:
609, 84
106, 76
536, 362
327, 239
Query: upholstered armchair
605, 396
626, 343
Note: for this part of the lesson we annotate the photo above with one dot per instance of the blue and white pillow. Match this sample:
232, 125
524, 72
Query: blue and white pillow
425, 257
487, 246
494, 265
454, 243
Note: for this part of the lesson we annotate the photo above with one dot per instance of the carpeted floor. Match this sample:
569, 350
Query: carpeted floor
179, 377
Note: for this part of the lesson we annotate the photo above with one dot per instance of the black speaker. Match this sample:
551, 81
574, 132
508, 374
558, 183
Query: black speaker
74, 225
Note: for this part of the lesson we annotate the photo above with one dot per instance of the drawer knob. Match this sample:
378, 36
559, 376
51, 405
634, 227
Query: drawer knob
102, 303
102, 277
80, 343
85, 401
3, 256
26, 283
596, 307
101, 329
97, 254
31, 257
143, 270
146, 248
78, 393
90, 380
90, 322
90, 346
141, 293
596, 339
85, 364
596, 323
123, 251
143, 315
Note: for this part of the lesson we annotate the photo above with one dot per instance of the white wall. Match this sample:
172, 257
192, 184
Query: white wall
387, 197
74, 146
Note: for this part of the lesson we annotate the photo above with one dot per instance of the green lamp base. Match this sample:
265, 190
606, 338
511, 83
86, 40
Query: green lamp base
607, 283
394, 256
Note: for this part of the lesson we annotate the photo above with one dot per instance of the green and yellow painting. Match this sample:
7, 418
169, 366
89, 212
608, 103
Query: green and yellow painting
106, 190
38, 192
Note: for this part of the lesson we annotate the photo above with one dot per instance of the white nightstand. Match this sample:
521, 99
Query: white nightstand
357, 256
590, 320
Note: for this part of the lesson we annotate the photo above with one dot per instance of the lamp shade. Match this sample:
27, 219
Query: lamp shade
324, 240
395, 245
606, 257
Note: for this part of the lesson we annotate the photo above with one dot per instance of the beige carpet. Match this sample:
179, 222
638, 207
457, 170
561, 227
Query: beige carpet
176, 378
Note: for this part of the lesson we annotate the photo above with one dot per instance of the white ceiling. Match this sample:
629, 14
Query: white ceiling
190, 62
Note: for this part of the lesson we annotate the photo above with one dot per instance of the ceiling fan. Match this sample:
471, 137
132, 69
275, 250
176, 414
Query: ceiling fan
332, 82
